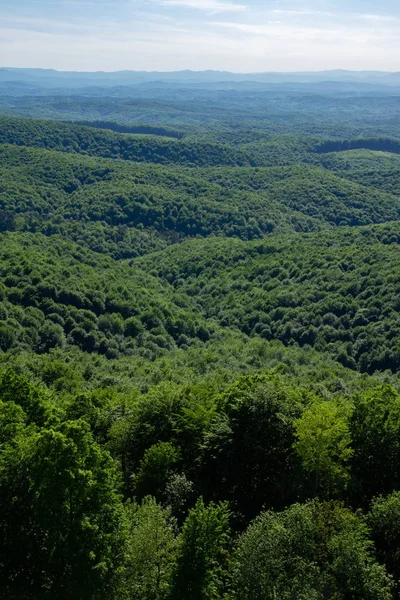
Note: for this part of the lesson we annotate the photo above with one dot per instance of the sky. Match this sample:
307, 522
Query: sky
232, 35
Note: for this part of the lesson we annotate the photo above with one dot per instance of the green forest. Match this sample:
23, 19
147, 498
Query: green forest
199, 346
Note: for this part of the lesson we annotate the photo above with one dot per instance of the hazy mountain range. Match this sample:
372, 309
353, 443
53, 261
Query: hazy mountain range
46, 78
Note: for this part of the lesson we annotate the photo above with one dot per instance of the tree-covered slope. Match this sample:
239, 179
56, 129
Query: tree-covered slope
336, 291
125, 209
56, 294
370, 168
108, 144
314, 192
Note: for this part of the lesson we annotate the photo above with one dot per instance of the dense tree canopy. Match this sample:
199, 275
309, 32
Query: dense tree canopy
199, 345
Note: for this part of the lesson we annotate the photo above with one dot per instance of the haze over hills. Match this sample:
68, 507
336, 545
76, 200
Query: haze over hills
52, 78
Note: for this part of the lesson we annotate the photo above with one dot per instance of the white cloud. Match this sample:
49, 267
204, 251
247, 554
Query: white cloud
45, 24
330, 43
212, 6
309, 12
265, 29
303, 12
378, 18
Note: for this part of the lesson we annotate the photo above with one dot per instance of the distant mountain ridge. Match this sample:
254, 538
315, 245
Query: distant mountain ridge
55, 79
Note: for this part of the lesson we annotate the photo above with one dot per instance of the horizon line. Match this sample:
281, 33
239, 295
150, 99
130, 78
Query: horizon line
338, 70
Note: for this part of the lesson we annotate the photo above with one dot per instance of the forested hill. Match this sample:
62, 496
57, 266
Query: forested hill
109, 144
191, 150
336, 291
200, 345
125, 209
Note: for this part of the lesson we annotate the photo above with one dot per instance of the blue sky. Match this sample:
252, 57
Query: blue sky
235, 35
